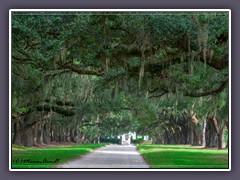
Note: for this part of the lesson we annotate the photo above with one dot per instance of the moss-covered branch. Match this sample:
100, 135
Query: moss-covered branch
63, 110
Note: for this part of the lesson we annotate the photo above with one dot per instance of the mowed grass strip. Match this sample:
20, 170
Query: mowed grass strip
183, 156
33, 158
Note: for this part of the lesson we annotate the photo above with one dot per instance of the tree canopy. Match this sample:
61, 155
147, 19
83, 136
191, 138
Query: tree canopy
107, 73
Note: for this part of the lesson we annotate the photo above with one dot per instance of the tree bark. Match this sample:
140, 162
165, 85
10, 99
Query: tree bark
68, 138
211, 135
40, 133
204, 133
191, 133
219, 136
27, 138
46, 132
22, 128
52, 133
167, 138
17, 135
227, 126
34, 132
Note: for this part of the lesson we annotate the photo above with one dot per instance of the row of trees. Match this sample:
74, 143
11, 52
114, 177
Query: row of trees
188, 123
81, 77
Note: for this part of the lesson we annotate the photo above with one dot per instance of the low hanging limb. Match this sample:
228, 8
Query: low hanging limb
190, 94
211, 92
159, 95
65, 111
78, 70
152, 68
59, 102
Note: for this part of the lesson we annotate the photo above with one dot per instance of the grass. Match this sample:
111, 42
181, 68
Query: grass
23, 157
183, 156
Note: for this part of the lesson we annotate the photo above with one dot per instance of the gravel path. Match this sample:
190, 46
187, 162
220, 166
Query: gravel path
111, 156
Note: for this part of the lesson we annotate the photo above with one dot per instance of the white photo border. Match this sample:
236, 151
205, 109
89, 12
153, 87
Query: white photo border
117, 10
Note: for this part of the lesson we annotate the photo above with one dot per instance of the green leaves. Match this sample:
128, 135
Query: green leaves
111, 46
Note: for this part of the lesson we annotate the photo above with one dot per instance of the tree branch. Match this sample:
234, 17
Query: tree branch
159, 95
59, 102
211, 92
191, 94
66, 111
78, 70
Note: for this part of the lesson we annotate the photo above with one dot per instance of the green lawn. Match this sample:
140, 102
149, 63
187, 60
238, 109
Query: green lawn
183, 156
47, 158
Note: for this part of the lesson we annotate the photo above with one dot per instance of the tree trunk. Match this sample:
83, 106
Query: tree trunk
34, 131
23, 130
204, 133
219, 136
68, 139
195, 138
72, 134
46, 132
197, 135
17, 135
27, 138
219, 131
227, 126
185, 134
59, 134
191, 134
211, 135
52, 132
40, 133
227, 143
167, 139
62, 134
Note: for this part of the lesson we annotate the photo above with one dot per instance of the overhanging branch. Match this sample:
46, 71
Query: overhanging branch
192, 94
78, 70
66, 111
211, 92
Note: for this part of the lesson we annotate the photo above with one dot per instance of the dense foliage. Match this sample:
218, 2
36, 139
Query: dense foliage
81, 76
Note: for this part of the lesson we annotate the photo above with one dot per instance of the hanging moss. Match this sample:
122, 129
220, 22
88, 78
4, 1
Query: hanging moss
141, 73
107, 63
202, 38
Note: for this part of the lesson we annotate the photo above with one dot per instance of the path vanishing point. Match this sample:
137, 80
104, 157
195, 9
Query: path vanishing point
110, 156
